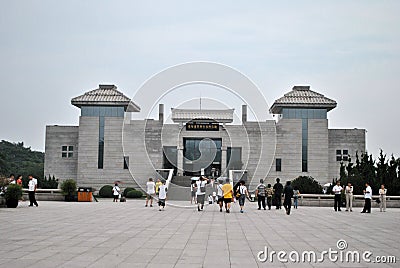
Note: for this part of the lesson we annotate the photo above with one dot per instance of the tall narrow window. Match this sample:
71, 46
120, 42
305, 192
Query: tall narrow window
126, 162
278, 164
304, 145
100, 160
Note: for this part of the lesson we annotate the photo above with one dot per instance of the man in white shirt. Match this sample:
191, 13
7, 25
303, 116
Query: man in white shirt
201, 192
337, 190
11, 180
31, 191
220, 195
150, 191
367, 198
349, 196
162, 195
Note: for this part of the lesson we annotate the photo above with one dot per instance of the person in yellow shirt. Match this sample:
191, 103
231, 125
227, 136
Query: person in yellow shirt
158, 184
227, 190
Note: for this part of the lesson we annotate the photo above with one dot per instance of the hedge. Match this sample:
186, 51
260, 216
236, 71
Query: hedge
128, 189
134, 194
106, 191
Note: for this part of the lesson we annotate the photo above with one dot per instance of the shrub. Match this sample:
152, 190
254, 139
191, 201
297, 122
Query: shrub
68, 187
106, 191
50, 183
14, 191
134, 194
307, 185
128, 189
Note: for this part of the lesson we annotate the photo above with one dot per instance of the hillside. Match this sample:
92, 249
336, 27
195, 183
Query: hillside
20, 160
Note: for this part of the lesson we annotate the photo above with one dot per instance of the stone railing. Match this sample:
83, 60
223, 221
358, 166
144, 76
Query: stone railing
45, 195
326, 200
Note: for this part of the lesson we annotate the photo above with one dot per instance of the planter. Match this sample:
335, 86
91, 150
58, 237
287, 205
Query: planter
12, 203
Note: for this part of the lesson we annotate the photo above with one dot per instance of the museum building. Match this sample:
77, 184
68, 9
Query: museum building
109, 146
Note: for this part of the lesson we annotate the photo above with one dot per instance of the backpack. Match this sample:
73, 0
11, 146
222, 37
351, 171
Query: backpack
202, 187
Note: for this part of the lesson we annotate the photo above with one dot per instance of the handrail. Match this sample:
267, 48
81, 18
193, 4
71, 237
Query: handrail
331, 196
44, 190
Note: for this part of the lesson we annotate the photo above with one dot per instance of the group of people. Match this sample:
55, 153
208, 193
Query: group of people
158, 189
32, 187
267, 195
274, 195
348, 191
224, 196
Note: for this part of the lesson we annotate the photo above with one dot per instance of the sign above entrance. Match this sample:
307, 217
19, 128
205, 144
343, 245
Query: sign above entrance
202, 126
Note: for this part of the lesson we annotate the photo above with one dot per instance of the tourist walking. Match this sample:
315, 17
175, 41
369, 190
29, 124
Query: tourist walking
278, 188
382, 198
367, 198
261, 193
31, 192
150, 191
162, 195
296, 195
243, 193
348, 191
158, 184
201, 192
227, 190
288, 194
220, 195
270, 194
116, 192
193, 190
337, 190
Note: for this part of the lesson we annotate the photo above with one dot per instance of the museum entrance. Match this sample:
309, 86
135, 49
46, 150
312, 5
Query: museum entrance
202, 156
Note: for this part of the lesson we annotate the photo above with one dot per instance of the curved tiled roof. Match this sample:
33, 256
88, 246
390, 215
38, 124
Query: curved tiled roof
105, 95
302, 97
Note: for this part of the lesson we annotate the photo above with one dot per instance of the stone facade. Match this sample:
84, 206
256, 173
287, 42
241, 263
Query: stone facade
142, 142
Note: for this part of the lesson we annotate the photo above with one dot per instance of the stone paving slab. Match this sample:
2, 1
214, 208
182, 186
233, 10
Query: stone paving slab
107, 234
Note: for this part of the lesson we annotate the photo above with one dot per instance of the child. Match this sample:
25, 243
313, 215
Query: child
214, 196
162, 195
210, 199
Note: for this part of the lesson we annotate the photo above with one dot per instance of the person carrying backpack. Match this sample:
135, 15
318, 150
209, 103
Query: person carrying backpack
116, 192
260, 193
201, 192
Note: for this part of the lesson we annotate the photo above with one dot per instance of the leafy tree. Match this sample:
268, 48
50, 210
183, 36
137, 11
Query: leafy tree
307, 185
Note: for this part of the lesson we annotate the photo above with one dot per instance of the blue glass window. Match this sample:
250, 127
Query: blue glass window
302, 113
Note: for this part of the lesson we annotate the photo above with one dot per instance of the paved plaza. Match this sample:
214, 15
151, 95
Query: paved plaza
107, 234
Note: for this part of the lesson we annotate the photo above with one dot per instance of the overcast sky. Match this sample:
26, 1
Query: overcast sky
52, 51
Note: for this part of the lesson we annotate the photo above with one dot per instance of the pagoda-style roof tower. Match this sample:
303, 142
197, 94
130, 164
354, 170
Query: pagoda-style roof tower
302, 97
105, 95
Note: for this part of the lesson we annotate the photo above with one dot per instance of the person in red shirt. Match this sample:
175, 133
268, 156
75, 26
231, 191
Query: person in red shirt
19, 180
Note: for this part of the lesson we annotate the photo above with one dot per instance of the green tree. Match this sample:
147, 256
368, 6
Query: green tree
307, 185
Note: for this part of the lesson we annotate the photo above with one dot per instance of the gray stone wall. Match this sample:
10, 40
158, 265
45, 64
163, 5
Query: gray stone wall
318, 149
352, 140
54, 164
113, 169
288, 148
